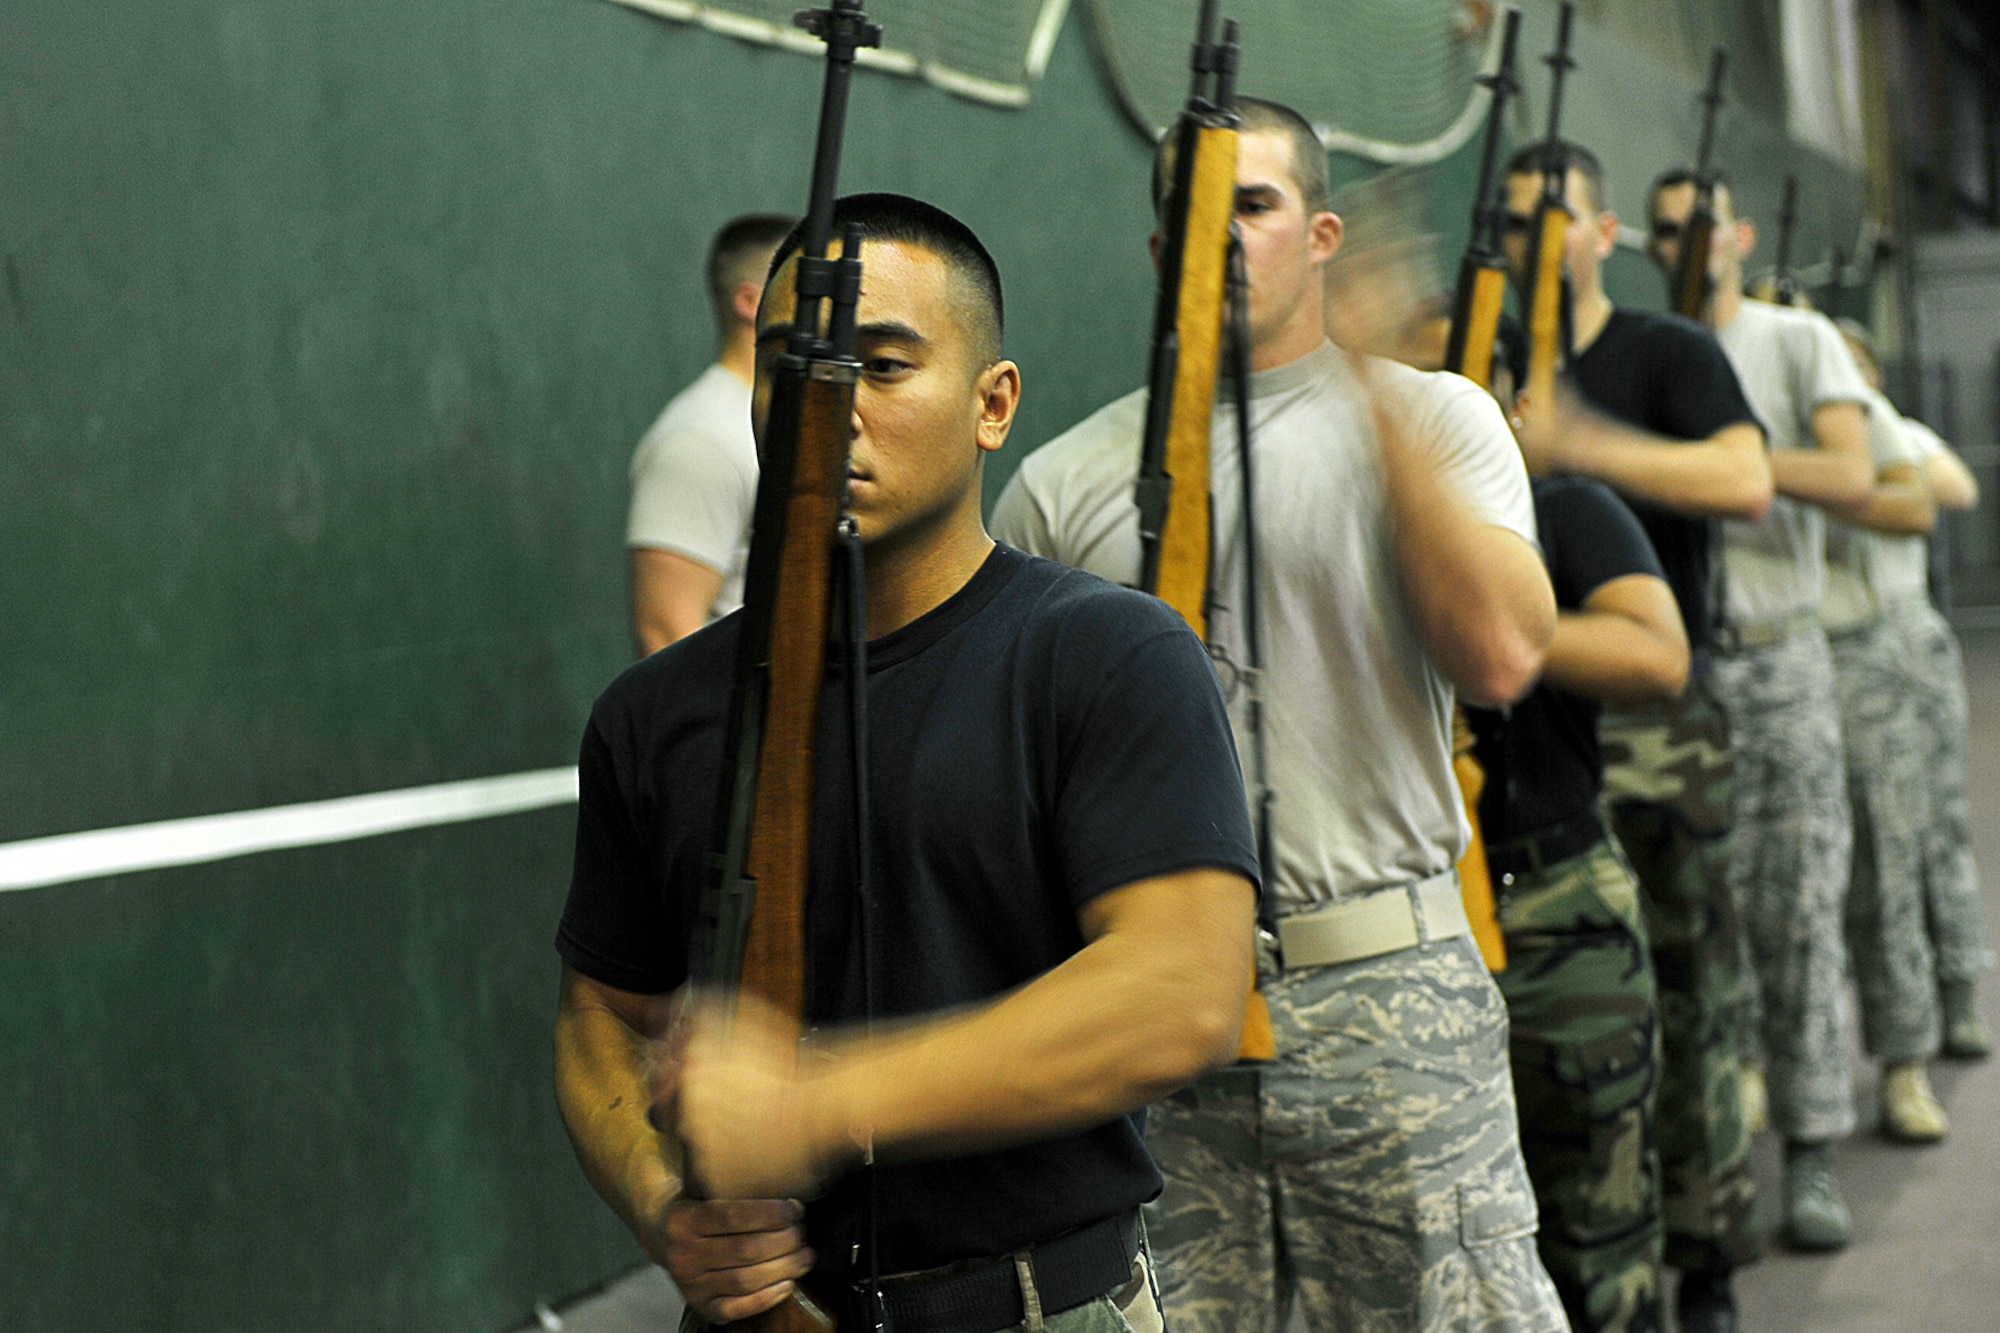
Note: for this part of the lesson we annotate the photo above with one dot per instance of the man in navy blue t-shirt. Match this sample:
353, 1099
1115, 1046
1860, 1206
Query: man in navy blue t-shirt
1064, 887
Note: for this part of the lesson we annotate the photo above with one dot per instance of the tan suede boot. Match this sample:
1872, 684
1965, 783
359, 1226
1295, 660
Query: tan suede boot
1910, 1110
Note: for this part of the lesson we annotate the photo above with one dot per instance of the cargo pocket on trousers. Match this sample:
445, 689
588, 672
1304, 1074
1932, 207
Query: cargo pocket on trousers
1618, 1074
1490, 1220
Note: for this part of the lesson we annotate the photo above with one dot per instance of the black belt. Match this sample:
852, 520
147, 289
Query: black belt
984, 1296
1548, 846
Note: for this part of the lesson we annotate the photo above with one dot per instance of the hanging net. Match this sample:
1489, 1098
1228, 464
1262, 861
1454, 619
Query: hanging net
1388, 80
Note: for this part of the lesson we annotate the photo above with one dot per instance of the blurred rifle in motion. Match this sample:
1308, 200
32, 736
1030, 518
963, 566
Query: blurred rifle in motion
751, 932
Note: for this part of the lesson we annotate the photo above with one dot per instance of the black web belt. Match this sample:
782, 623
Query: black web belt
986, 1295
1546, 846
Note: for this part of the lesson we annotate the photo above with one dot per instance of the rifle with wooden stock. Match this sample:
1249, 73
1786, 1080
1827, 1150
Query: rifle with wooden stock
1172, 494
1689, 284
1546, 294
1482, 274
750, 934
1475, 326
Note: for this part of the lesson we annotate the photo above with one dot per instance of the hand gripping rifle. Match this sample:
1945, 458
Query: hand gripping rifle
1475, 325
1482, 274
750, 934
1547, 294
1173, 488
1689, 283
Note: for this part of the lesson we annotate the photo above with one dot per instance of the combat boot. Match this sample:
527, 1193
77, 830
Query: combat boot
1756, 1095
1704, 1302
1965, 1034
1910, 1110
1816, 1216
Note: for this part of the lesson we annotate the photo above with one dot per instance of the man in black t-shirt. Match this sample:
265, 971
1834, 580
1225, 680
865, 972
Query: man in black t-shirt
1581, 997
1650, 406
1063, 889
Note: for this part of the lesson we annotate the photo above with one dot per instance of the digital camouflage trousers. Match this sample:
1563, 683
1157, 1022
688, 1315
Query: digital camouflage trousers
1959, 936
1370, 1177
1789, 869
1668, 788
1585, 1048
1888, 747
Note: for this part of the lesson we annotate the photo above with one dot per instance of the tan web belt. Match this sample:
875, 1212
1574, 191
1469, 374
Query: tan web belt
1752, 635
1383, 922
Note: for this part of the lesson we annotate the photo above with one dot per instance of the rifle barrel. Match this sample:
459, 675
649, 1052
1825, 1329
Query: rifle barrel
1501, 85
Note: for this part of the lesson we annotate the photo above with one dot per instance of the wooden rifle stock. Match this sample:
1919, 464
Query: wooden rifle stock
1548, 315
1172, 494
751, 931
1690, 283
1475, 327
1482, 274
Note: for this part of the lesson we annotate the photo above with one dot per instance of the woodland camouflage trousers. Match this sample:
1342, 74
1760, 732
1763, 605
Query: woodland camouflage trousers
1789, 869
1668, 789
1585, 1047
1371, 1175
1888, 747
1959, 935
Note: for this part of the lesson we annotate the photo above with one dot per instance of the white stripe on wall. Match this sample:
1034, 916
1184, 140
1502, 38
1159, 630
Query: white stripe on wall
68, 857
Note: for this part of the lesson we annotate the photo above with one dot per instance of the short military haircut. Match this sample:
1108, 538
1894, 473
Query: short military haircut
1686, 175
737, 255
1308, 154
897, 218
1528, 162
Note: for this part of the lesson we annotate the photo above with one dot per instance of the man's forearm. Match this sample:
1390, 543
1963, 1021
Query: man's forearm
1832, 481
1613, 659
1129, 1018
602, 1092
1900, 504
1702, 479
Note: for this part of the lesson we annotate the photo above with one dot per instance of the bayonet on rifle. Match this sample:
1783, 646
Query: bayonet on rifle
1547, 290
1690, 280
750, 934
1482, 274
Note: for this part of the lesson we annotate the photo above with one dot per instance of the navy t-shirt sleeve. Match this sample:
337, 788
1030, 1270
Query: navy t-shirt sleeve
1151, 783
616, 927
1592, 538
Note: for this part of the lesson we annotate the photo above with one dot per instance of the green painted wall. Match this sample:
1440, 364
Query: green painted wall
326, 331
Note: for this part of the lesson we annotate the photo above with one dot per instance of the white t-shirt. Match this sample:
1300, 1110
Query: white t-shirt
1790, 362
694, 481
1865, 570
1357, 720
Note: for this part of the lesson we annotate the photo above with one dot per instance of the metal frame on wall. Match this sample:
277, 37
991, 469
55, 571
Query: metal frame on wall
939, 72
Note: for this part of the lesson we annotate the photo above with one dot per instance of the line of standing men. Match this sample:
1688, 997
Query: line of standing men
1373, 1175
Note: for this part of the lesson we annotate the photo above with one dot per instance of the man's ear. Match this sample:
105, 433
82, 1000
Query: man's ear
743, 302
1607, 234
999, 390
1746, 237
1324, 233
1153, 245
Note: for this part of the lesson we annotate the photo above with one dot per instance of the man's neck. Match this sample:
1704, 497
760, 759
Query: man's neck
914, 575
738, 355
1589, 313
1301, 336
1725, 302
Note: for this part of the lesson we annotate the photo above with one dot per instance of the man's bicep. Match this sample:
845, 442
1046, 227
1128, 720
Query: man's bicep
645, 1015
1206, 904
1150, 781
